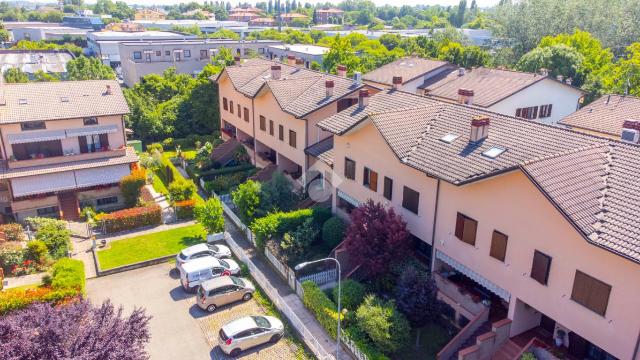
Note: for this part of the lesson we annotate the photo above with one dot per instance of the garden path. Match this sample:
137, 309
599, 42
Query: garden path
24, 280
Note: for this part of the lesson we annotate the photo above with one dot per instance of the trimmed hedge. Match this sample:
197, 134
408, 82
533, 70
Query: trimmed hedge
212, 174
278, 223
364, 344
184, 209
68, 274
333, 231
321, 306
352, 294
129, 219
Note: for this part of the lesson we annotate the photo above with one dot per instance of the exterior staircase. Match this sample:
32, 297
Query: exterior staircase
485, 327
508, 351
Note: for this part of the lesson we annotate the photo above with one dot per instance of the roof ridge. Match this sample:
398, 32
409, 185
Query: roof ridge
602, 200
394, 110
297, 96
563, 153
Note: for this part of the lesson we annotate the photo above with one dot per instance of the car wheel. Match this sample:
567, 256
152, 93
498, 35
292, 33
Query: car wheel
247, 297
275, 338
211, 308
235, 352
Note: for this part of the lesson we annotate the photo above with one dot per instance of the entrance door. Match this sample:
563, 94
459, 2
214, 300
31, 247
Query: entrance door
69, 206
548, 324
577, 345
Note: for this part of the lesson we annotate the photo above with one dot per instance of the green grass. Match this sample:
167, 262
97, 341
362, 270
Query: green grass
433, 338
149, 246
159, 186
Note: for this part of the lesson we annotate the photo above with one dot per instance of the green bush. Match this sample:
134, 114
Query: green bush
295, 244
57, 240
133, 218
320, 215
352, 292
36, 251
184, 209
364, 343
278, 223
210, 215
224, 184
167, 144
37, 222
182, 189
13, 232
68, 274
212, 174
131, 185
152, 148
333, 231
386, 326
10, 257
324, 310
528, 356
247, 200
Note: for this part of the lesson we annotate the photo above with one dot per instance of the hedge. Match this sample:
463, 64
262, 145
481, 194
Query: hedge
278, 223
184, 209
190, 141
129, 219
68, 274
212, 174
324, 310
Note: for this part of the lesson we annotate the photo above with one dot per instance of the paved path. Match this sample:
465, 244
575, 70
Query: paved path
167, 210
24, 280
82, 251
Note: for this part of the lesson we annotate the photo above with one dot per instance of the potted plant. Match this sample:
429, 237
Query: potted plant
559, 338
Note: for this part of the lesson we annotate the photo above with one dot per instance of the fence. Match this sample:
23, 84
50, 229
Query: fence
320, 278
351, 345
283, 269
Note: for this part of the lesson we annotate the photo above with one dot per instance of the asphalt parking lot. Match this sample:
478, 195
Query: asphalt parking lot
179, 328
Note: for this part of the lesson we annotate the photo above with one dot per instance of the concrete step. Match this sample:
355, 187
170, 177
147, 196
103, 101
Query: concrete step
507, 351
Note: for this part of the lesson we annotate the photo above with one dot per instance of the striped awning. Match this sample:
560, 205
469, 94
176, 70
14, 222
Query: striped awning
348, 198
92, 130
45, 183
101, 176
504, 294
35, 136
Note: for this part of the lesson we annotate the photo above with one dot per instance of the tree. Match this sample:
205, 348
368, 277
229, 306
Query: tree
182, 189
333, 231
84, 68
4, 34
277, 194
247, 200
625, 75
295, 243
41, 76
559, 59
377, 238
416, 295
384, 324
341, 53
15, 75
75, 330
224, 34
210, 215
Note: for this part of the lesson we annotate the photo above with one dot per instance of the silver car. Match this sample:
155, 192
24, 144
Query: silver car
223, 290
248, 332
202, 250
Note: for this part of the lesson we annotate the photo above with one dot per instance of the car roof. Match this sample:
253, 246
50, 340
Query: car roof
239, 325
195, 249
200, 264
217, 282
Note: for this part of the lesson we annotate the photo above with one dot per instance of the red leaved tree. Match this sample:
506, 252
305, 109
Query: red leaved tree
377, 238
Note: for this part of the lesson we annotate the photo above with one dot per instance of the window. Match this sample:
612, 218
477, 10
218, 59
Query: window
498, 245
158, 53
93, 143
466, 229
349, 169
187, 53
246, 114
292, 138
137, 55
370, 179
231, 106
204, 54
239, 111
90, 121
33, 125
107, 201
494, 152
271, 127
527, 113
225, 104
167, 53
176, 55
388, 188
590, 293
281, 132
37, 150
48, 211
540, 267
263, 123
545, 111
410, 199
147, 56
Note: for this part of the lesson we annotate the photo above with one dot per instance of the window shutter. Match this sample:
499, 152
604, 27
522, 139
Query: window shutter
365, 176
231, 106
535, 112
540, 267
263, 123
239, 111
388, 188
590, 292
82, 141
469, 233
246, 114
518, 112
459, 226
549, 109
498, 245
373, 182
104, 140
271, 127
225, 104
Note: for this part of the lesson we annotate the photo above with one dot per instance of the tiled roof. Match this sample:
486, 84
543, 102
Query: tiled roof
61, 100
409, 68
489, 85
129, 157
322, 150
605, 115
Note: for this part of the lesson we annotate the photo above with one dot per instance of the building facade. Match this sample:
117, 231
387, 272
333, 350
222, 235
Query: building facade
150, 14
606, 116
307, 53
329, 16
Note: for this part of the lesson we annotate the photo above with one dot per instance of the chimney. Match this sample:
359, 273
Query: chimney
397, 82
462, 71
608, 99
631, 131
329, 84
479, 128
465, 96
291, 60
109, 91
363, 98
275, 72
357, 78
341, 70
236, 60
299, 62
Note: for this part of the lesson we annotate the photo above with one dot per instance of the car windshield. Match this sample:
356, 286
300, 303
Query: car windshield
237, 281
223, 336
182, 256
214, 248
224, 264
261, 321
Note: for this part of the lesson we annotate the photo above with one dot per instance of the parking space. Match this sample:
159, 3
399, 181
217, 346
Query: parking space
179, 328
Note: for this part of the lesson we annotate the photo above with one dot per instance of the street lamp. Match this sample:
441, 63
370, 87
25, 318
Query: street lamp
304, 264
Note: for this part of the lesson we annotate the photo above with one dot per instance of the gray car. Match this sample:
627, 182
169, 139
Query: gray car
223, 290
248, 332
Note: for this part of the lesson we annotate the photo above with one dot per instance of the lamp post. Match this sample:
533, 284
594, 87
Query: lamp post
304, 264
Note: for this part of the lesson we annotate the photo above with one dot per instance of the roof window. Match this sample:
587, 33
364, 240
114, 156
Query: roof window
449, 138
22, 101
494, 152
64, 99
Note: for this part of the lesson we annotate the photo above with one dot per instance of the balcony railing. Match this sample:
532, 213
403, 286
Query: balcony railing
18, 164
460, 294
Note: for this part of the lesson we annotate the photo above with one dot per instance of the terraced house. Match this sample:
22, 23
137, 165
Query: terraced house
273, 109
531, 230
63, 147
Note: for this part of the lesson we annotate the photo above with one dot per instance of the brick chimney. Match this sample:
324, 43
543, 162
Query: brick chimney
291, 60
236, 60
397, 82
300, 62
341, 70
276, 70
329, 85
109, 91
465, 96
363, 98
479, 128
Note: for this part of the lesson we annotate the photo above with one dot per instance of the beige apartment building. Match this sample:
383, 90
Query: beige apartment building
531, 230
62, 147
606, 116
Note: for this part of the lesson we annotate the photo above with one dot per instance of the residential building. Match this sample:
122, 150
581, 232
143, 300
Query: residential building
32, 61
83, 22
244, 16
329, 16
410, 73
272, 109
124, 27
527, 95
44, 33
63, 147
248, 9
206, 26
106, 44
308, 53
263, 21
199, 12
150, 14
288, 18
187, 56
527, 227
604, 116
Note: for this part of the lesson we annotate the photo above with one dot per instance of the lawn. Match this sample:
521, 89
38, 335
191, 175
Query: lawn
159, 186
433, 338
149, 246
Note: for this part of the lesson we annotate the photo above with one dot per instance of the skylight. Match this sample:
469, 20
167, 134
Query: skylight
494, 152
22, 101
449, 138
64, 99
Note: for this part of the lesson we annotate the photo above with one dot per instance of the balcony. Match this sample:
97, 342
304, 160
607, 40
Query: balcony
465, 295
18, 164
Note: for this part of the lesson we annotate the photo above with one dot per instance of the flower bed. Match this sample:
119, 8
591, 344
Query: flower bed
129, 219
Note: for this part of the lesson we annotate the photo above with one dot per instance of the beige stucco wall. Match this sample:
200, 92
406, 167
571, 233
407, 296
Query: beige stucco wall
512, 205
227, 90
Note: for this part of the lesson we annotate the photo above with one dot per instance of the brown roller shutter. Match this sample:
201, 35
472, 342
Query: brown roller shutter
373, 182
82, 141
459, 226
470, 228
540, 267
104, 140
498, 245
590, 293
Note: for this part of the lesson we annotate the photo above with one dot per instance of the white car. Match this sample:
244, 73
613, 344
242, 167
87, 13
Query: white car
202, 250
196, 271
249, 331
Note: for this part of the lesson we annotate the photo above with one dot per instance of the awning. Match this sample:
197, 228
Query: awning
45, 183
504, 294
35, 136
348, 198
92, 130
101, 176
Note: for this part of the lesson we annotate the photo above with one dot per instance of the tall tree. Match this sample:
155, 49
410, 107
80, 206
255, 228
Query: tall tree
84, 68
15, 75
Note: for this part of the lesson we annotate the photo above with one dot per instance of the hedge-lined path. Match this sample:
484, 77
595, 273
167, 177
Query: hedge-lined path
167, 211
24, 280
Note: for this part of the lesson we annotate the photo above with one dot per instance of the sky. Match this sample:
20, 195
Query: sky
481, 3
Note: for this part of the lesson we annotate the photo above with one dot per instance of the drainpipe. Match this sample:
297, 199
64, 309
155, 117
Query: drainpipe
433, 231
253, 126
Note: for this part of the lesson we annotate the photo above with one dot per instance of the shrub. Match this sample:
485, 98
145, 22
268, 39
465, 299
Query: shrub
528, 356
38, 222
294, 244
36, 251
352, 292
417, 298
279, 223
152, 148
87, 213
184, 209
11, 257
68, 274
247, 199
57, 240
210, 215
333, 231
384, 324
131, 185
277, 194
182, 189
13, 232
324, 310
167, 144
212, 174
133, 218
364, 343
